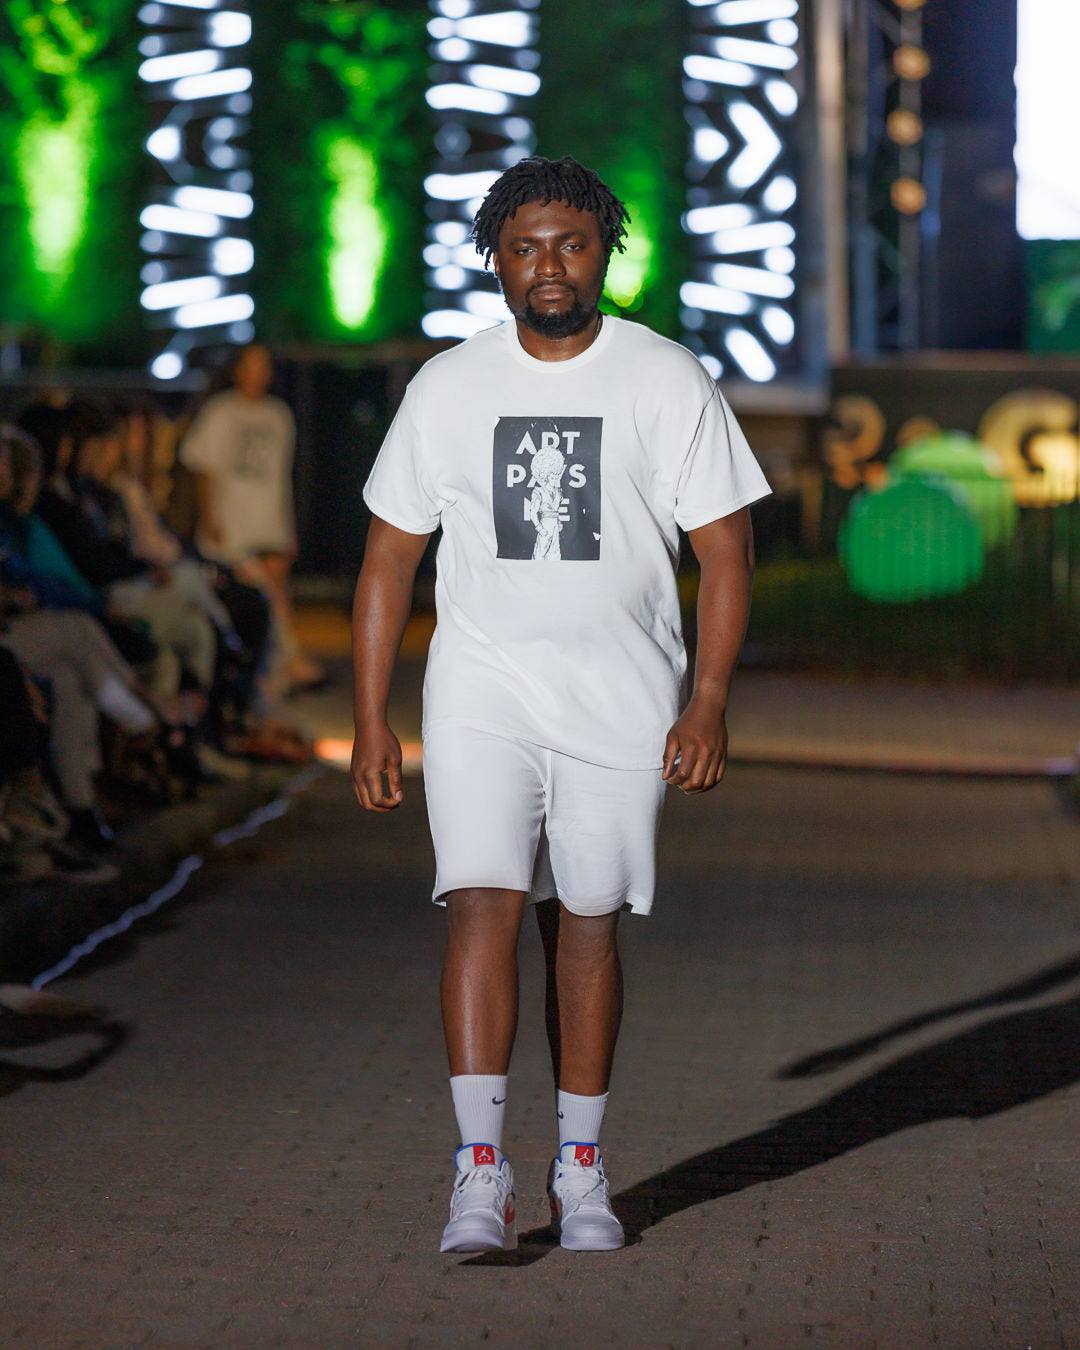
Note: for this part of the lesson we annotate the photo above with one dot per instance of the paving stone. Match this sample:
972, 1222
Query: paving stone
844, 1111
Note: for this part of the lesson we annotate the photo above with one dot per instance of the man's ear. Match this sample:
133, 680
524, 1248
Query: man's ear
495, 263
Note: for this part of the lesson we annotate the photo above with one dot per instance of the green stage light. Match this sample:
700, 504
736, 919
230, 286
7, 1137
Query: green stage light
914, 540
54, 160
70, 143
630, 272
629, 127
340, 152
356, 233
973, 469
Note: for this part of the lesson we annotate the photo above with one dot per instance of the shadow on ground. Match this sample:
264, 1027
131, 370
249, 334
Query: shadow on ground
29, 1019
1010, 1061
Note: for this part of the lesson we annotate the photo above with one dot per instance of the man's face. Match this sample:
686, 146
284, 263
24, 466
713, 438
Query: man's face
551, 262
254, 372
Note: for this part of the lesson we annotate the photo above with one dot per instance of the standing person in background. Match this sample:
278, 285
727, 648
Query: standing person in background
240, 447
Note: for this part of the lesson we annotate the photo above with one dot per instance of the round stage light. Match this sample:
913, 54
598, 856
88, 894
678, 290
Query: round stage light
973, 470
913, 540
911, 63
904, 126
908, 196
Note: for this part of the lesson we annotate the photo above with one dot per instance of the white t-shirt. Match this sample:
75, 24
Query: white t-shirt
247, 447
559, 486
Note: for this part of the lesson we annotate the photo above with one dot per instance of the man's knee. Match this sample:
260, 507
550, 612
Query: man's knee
588, 937
484, 914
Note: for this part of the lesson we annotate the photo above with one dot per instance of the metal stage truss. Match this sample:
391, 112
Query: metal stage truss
894, 182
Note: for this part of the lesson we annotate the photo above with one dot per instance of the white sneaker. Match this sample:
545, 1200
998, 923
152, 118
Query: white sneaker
580, 1208
482, 1202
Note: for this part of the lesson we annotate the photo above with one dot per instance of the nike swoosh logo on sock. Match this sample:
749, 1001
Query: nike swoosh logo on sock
560, 1115
497, 1101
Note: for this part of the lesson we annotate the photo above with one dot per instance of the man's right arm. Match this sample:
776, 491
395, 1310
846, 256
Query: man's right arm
381, 610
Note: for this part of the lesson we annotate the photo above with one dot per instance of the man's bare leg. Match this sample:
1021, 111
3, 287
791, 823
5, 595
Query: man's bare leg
584, 996
480, 979
584, 1009
480, 1012
300, 670
547, 917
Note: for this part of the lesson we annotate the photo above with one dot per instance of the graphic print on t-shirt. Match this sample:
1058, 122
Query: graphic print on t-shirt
545, 492
254, 451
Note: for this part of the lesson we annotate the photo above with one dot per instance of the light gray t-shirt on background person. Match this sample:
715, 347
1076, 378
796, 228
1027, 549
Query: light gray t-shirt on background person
559, 486
247, 447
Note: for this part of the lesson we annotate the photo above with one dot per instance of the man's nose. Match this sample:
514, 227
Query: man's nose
549, 263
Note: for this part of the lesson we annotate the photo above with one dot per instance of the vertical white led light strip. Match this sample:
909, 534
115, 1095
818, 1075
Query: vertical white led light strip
196, 237
1047, 157
482, 84
741, 81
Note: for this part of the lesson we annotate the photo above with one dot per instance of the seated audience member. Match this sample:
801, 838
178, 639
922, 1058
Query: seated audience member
247, 612
66, 648
73, 442
116, 478
32, 556
32, 823
29, 547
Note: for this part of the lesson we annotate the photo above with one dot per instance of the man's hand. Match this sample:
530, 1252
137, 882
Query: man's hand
698, 740
380, 612
376, 768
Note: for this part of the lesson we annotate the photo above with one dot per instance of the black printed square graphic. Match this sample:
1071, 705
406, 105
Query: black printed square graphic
546, 488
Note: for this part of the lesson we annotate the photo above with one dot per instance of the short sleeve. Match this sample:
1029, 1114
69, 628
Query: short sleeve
400, 488
719, 474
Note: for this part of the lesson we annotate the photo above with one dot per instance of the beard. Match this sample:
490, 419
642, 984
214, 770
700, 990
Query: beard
556, 323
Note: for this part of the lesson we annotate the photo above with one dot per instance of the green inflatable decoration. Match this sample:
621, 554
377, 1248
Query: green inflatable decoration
913, 540
972, 467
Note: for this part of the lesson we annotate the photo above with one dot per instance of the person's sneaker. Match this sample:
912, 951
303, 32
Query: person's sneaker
580, 1207
71, 863
38, 817
482, 1202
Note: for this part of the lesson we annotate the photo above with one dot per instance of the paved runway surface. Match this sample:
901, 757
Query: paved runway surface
844, 1111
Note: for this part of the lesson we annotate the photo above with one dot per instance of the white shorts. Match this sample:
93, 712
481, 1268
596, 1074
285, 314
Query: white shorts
510, 815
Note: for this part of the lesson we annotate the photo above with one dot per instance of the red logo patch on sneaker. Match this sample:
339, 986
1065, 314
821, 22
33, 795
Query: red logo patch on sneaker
585, 1154
483, 1154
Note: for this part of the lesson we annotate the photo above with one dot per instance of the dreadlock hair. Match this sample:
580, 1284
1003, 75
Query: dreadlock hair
537, 179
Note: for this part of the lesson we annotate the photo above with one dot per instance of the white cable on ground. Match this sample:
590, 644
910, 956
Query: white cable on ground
252, 824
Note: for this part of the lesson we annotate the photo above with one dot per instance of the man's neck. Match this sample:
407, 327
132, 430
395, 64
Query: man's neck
559, 349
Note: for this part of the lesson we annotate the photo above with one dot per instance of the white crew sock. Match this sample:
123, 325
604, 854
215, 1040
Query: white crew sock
117, 701
479, 1104
580, 1118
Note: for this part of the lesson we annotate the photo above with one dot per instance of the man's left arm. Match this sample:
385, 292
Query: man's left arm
698, 740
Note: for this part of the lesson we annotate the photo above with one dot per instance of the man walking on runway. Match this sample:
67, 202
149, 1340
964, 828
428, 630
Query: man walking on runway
560, 453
